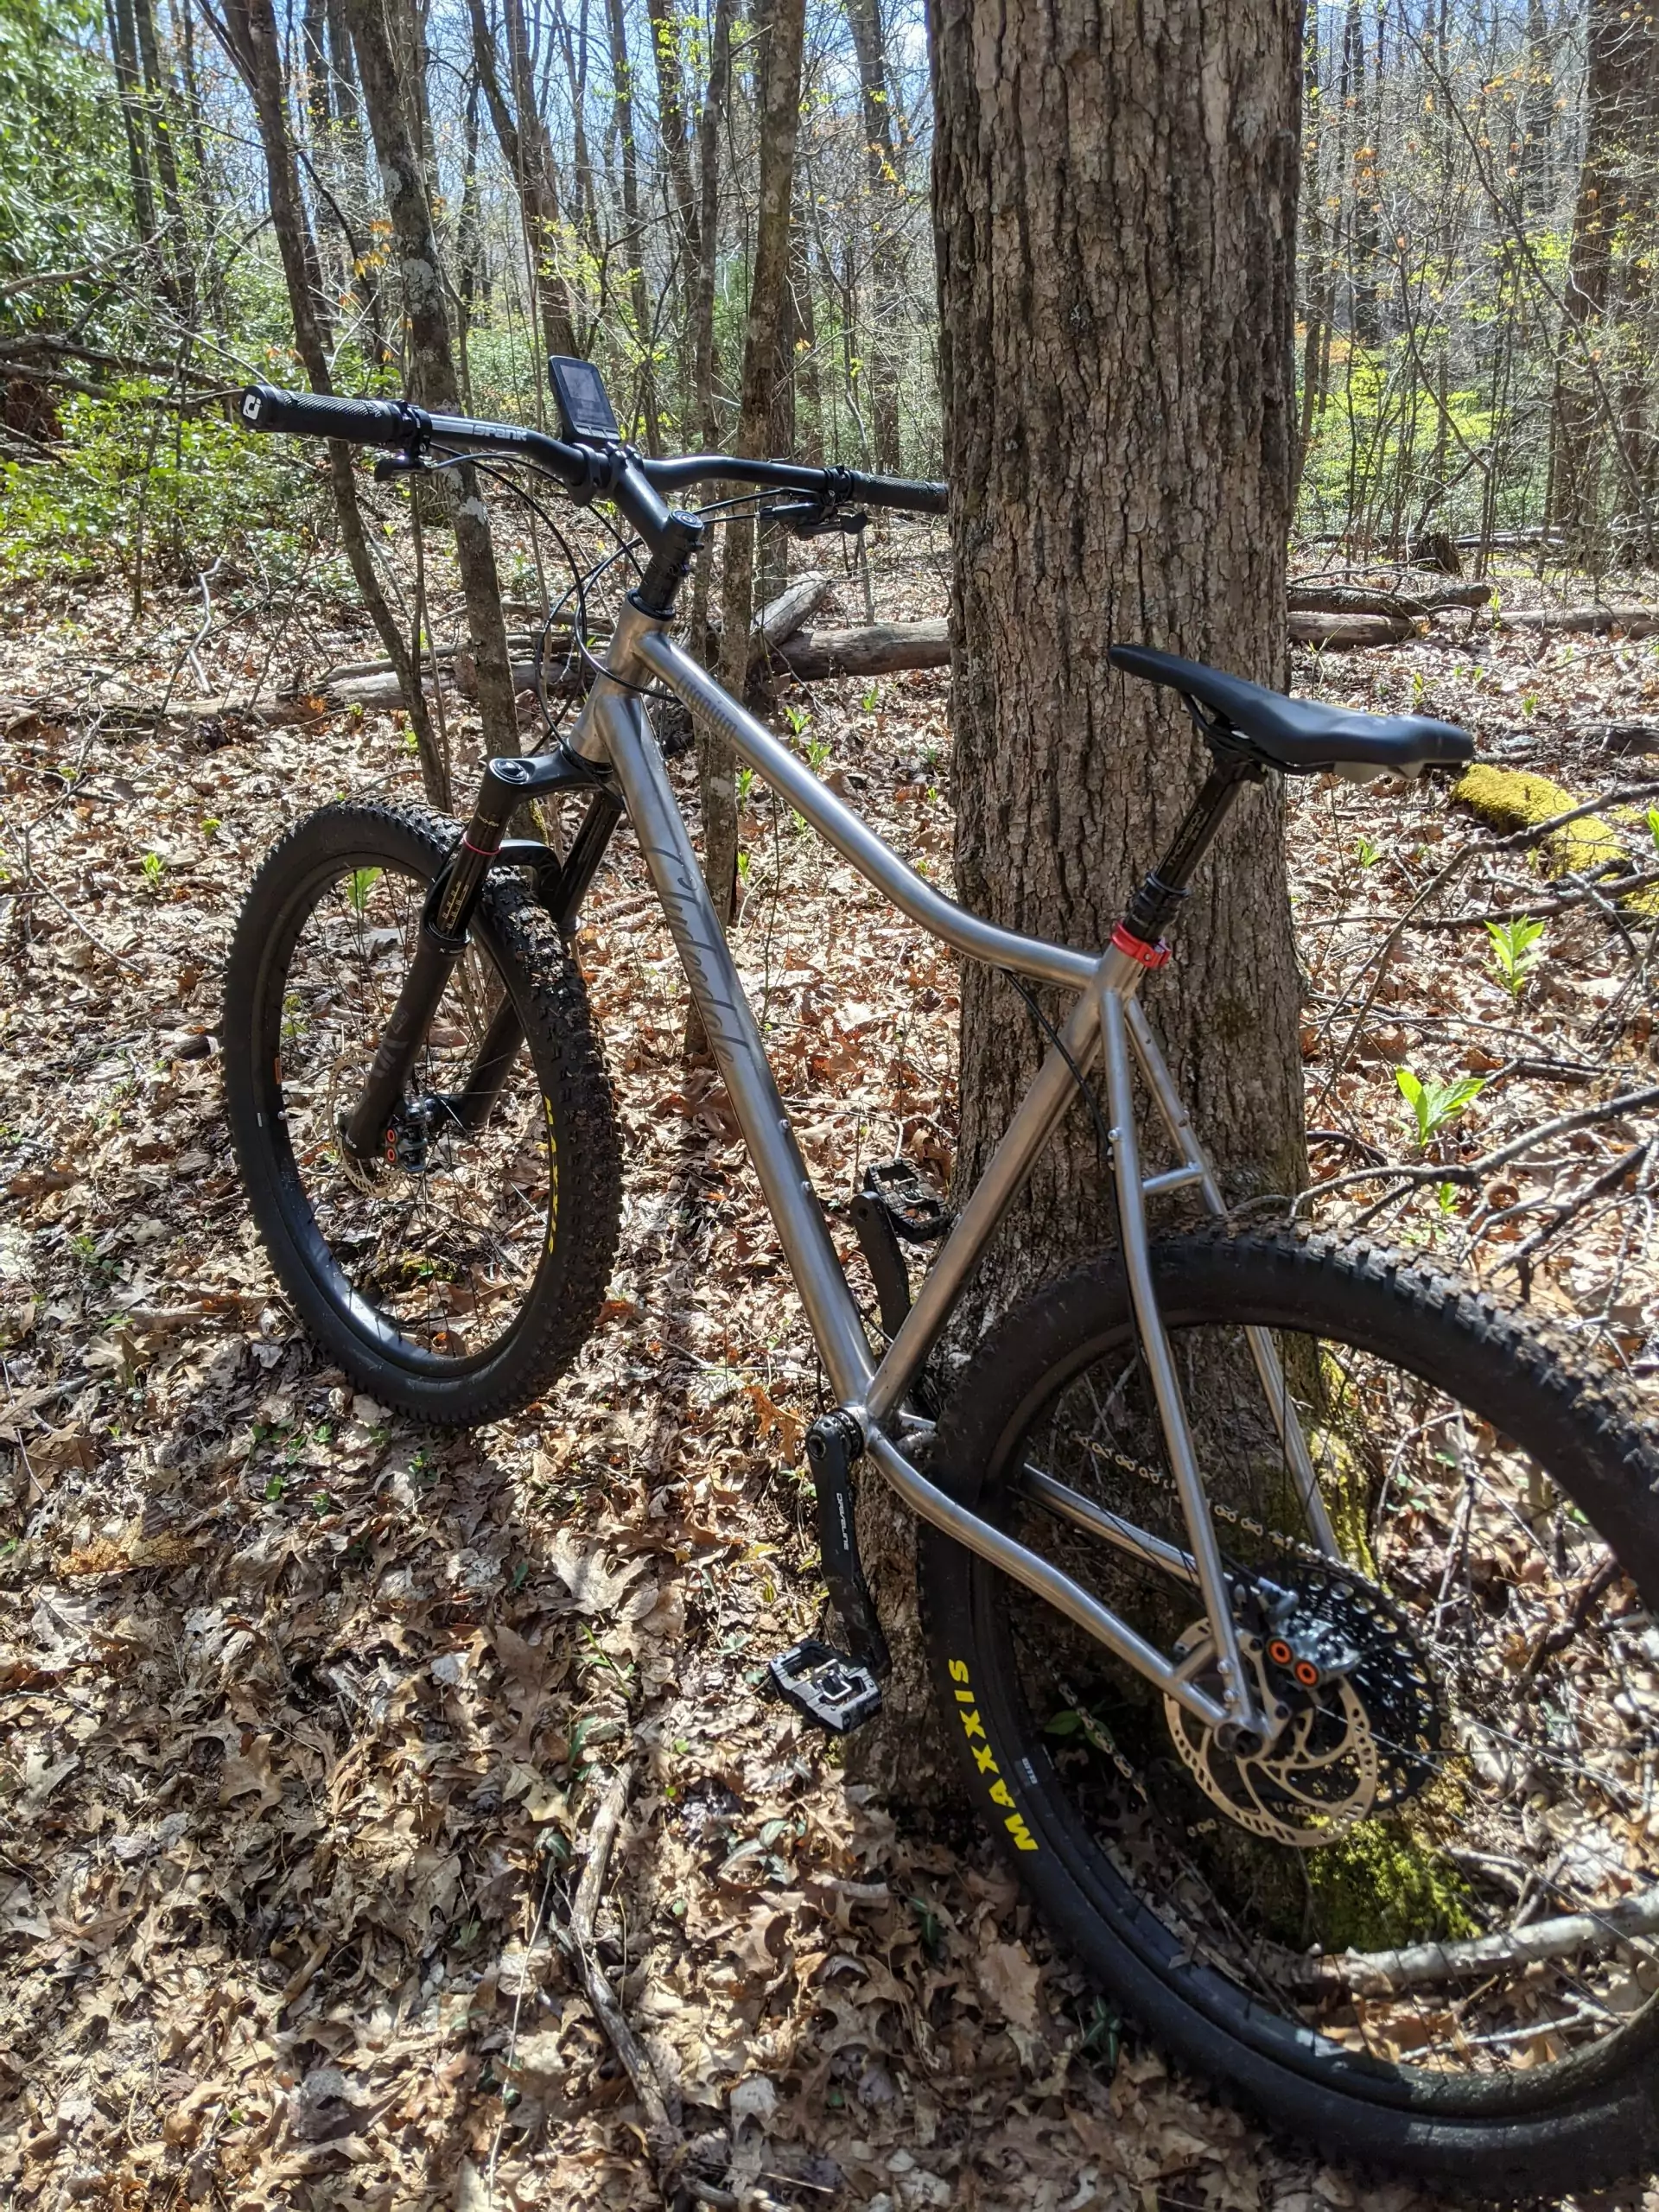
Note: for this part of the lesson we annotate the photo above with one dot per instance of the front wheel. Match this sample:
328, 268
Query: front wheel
1420, 1927
458, 1277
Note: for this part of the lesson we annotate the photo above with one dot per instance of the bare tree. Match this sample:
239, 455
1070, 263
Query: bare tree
429, 364
1119, 440
780, 30
248, 33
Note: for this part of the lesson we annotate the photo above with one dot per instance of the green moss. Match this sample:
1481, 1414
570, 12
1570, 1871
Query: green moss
1515, 799
1377, 1888
1346, 1487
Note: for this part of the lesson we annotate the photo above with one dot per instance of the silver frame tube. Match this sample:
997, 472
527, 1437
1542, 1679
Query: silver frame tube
612, 727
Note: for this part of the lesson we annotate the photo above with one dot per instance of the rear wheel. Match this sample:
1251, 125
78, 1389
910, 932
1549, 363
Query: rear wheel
459, 1276
1422, 1927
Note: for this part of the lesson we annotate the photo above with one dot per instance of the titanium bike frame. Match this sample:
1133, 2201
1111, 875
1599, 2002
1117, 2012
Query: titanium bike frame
1107, 1025
610, 751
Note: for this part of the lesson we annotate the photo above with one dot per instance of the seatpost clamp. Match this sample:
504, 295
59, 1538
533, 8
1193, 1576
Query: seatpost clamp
1149, 955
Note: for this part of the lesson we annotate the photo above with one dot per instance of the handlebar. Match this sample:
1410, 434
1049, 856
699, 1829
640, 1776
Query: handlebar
641, 488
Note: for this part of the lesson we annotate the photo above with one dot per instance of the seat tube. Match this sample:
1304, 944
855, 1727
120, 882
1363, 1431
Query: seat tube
1119, 979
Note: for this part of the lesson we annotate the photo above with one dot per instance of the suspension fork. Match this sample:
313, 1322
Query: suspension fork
446, 920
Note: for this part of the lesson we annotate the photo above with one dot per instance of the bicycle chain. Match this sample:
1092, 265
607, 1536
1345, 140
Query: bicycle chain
1229, 1515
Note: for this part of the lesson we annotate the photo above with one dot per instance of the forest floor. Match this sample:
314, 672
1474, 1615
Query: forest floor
303, 1711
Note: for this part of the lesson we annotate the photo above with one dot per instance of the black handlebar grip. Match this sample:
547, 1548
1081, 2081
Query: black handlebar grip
389, 422
919, 498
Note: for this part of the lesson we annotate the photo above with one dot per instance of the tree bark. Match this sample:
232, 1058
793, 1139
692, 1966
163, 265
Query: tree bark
666, 41
700, 294
638, 296
159, 89
528, 153
430, 363
884, 186
781, 31
1115, 198
123, 44
251, 36
1598, 412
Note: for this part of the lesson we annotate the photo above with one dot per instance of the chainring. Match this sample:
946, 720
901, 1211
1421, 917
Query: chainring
1362, 1742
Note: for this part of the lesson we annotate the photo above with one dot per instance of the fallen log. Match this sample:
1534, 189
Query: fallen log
1349, 599
792, 609
1583, 622
1343, 632
880, 649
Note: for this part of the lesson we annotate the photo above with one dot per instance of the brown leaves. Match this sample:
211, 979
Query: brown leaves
1011, 1978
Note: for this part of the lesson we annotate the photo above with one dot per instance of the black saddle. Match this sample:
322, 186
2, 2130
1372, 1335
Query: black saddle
1299, 735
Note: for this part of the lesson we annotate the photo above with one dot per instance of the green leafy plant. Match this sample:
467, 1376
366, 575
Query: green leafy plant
871, 699
358, 884
1653, 826
155, 868
745, 785
1369, 854
1432, 1103
1517, 948
797, 718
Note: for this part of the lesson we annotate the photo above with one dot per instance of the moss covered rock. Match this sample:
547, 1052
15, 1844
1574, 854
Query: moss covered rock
1515, 798
1377, 1888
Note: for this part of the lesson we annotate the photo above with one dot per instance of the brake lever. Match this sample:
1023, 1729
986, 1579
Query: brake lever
811, 518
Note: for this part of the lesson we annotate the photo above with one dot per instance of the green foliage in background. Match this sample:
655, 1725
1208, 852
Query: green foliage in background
62, 182
191, 486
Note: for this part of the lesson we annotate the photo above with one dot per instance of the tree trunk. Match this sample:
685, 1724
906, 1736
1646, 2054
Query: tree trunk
780, 31
884, 185
526, 147
159, 89
666, 42
467, 245
700, 301
1114, 202
1593, 416
639, 296
431, 367
255, 51
123, 44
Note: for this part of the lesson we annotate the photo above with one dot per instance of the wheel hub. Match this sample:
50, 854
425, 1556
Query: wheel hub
1339, 1673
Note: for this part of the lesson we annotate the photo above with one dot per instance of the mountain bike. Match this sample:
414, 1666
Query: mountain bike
1287, 1599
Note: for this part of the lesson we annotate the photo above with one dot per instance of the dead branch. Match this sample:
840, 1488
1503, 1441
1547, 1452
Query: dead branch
1620, 736
1583, 622
1384, 1973
1540, 909
1622, 796
785, 614
661, 2108
1628, 1163
880, 650
1555, 1640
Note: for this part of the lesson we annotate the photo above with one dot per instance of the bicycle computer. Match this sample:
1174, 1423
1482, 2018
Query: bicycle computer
585, 410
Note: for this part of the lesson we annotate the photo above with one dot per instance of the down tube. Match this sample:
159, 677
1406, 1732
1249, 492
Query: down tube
667, 846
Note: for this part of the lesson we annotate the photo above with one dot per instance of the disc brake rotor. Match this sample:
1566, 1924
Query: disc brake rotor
1331, 1658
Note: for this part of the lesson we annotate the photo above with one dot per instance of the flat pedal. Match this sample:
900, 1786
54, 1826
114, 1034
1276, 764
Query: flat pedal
835, 1692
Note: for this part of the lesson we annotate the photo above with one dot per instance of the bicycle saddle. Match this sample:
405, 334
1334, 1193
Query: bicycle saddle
1299, 735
